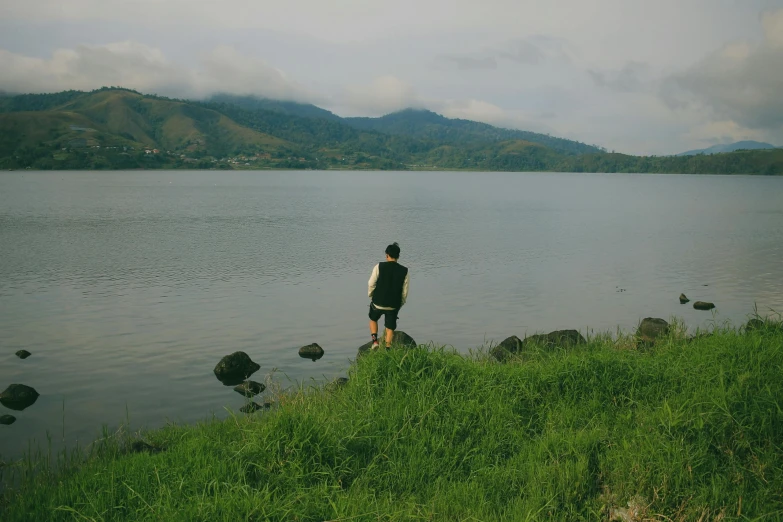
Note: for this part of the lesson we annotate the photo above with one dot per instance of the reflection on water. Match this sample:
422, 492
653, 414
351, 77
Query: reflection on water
129, 287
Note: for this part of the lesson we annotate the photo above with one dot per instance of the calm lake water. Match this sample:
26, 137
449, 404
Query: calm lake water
128, 287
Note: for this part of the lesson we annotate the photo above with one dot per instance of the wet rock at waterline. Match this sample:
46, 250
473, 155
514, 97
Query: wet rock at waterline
235, 368
759, 325
7, 419
23, 354
253, 407
506, 348
652, 328
336, 384
684, 299
702, 305
250, 388
557, 339
139, 446
400, 339
18, 397
311, 351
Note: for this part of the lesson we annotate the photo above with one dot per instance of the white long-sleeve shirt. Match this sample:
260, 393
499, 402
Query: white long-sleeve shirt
374, 279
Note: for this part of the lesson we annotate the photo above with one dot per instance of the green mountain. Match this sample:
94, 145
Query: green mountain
429, 125
114, 128
730, 147
254, 103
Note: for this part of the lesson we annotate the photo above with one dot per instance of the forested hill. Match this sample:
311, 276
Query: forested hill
114, 128
426, 124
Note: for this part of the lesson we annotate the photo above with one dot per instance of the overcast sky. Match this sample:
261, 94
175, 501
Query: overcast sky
637, 76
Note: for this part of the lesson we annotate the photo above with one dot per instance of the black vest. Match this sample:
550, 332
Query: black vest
388, 288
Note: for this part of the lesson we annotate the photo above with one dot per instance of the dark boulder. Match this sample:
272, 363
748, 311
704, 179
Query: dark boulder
507, 348
336, 384
556, 339
249, 388
683, 299
400, 340
650, 329
23, 354
311, 351
18, 397
702, 305
754, 324
252, 407
235, 368
7, 419
139, 446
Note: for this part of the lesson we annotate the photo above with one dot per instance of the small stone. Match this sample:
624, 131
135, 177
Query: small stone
23, 354
7, 420
235, 368
683, 299
249, 388
311, 351
18, 397
754, 324
703, 305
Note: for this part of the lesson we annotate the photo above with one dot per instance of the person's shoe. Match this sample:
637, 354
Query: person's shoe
375, 346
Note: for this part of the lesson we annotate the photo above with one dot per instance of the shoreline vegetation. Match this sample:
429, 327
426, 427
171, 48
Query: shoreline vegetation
120, 129
652, 426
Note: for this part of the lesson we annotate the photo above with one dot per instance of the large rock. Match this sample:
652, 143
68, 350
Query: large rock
253, 407
311, 351
652, 328
400, 340
249, 388
760, 325
235, 368
23, 354
506, 348
683, 299
7, 419
18, 397
558, 339
702, 305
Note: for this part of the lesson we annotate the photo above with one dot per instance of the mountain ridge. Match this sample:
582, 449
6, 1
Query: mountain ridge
730, 147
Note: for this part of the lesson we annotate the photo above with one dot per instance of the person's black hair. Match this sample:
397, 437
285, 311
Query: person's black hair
393, 251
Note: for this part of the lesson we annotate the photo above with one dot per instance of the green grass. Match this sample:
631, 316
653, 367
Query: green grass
678, 431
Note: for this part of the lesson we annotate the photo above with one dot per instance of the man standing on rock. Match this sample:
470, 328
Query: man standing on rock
388, 291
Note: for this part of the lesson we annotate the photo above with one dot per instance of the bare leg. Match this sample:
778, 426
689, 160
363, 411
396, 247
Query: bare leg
389, 337
373, 327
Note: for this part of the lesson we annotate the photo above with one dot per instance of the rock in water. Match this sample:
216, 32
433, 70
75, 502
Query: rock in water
702, 305
18, 397
400, 340
652, 328
253, 407
311, 351
556, 339
249, 388
7, 419
754, 324
336, 384
506, 348
23, 354
683, 299
235, 368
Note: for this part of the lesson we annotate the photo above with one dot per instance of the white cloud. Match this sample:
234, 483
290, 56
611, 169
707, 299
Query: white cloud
383, 95
741, 82
138, 66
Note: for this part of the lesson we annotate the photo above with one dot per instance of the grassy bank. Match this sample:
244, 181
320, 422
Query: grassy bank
683, 430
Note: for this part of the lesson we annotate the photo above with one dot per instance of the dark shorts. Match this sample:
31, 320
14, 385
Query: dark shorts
390, 321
